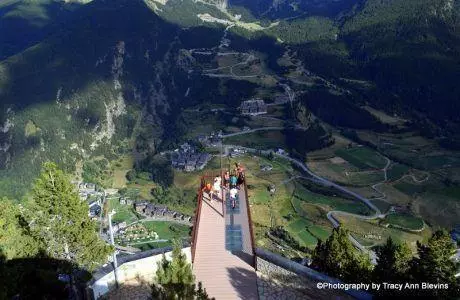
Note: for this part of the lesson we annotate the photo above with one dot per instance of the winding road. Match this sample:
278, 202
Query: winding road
291, 96
321, 180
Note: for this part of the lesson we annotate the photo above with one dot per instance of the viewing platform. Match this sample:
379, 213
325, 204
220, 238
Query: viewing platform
223, 246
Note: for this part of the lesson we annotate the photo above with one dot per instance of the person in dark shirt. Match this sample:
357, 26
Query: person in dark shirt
226, 179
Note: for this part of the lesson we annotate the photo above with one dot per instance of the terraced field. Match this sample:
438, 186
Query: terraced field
363, 158
307, 233
406, 221
371, 233
330, 203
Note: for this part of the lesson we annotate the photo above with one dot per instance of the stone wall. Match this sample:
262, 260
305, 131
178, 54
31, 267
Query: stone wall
142, 269
277, 283
279, 278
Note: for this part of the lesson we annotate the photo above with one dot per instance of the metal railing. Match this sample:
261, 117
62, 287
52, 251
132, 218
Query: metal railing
251, 231
196, 221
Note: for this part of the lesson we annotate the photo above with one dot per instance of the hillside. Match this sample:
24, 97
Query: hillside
34, 19
105, 85
111, 79
79, 93
343, 113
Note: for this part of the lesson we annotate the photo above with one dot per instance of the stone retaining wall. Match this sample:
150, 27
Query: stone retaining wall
279, 278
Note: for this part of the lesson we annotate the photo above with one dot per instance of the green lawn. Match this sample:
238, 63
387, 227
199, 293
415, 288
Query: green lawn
298, 225
451, 191
320, 232
124, 213
432, 162
363, 158
361, 229
167, 230
365, 178
364, 242
148, 246
335, 203
405, 220
308, 233
259, 140
307, 239
408, 188
261, 195
397, 171
338, 168
382, 205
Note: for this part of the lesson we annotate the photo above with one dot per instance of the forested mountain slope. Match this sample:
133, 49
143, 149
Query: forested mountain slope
81, 92
108, 77
26, 22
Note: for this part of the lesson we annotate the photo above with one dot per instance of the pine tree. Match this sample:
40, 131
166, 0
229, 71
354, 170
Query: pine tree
392, 262
338, 258
59, 220
434, 264
175, 280
359, 269
403, 259
15, 240
335, 255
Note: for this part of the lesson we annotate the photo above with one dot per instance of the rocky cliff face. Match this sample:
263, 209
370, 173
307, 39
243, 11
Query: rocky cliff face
84, 88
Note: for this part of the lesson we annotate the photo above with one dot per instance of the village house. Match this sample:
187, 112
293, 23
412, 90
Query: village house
87, 190
94, 201
186, 158
125, 201
253, 107
139, 206
203, 161
266, 168
85, 186
94, 211
281, 151
119, 226
236, 152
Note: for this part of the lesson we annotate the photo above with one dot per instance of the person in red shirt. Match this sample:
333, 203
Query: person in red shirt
208, 189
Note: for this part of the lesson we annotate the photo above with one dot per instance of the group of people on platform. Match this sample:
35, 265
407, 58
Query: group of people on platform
231, 182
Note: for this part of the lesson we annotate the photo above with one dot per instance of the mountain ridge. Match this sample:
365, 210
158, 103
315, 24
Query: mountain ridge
77, 69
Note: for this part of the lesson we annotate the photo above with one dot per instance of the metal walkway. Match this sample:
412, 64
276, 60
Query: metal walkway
223, 252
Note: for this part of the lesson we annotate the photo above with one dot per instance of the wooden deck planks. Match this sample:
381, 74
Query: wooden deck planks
224, 274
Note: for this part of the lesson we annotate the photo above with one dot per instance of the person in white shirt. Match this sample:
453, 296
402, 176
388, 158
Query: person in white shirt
233, 193
216, 185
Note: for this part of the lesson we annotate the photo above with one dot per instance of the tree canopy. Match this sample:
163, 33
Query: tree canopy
175, 280
337, 257
59, 220
433, 264
15, 240
392, 261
